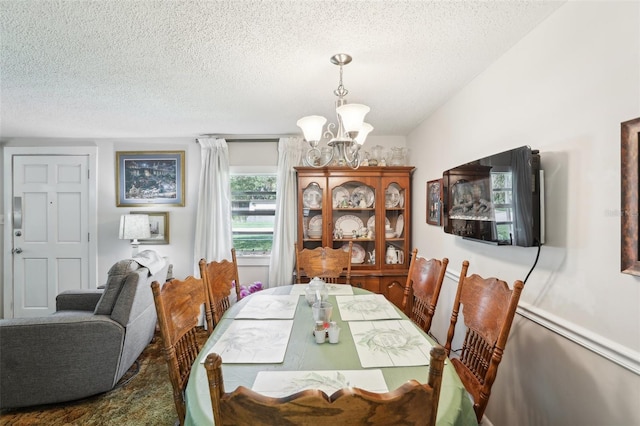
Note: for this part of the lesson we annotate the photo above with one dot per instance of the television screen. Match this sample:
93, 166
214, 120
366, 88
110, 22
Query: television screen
495, 199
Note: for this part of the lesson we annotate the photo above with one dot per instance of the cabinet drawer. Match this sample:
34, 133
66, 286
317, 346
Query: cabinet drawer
368, 283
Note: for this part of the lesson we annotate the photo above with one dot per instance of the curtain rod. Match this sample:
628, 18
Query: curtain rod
236, 138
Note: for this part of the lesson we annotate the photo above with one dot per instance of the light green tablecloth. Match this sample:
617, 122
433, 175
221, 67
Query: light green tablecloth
304, 354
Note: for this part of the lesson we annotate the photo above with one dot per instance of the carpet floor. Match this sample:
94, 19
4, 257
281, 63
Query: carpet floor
145, 400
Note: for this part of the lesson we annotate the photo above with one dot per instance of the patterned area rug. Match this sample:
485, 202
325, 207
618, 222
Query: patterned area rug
145, 400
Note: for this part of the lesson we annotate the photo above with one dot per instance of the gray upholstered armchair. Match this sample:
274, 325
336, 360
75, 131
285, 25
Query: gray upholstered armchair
87, 345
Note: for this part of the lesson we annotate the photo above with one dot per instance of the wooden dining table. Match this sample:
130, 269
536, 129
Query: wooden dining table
301, 353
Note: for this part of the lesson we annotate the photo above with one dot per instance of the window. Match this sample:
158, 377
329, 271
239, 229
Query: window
253, 207
502, 194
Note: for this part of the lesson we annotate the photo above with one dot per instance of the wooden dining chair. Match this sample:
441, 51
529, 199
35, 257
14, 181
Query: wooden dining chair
178, 305
422, 290
219, 278
332, 265
488, 308
412, 403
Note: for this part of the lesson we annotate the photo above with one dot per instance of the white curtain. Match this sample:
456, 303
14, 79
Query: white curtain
213, 239
284, 230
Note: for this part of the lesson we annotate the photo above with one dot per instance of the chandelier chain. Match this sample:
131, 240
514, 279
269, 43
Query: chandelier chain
341, 92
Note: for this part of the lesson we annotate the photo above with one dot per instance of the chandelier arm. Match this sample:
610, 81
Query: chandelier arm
355, 164
352, 151
329, 134
314, 154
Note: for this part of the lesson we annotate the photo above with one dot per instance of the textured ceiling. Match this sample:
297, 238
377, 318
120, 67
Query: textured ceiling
129, 68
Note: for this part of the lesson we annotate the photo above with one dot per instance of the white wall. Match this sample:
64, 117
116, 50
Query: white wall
564, 89
181, 219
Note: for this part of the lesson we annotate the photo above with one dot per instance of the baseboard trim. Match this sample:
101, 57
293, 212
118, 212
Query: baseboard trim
606, 348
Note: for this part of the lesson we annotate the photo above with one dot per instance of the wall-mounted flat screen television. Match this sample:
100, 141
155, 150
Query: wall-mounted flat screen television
497, 199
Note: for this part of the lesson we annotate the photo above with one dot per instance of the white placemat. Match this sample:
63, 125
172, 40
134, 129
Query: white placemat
366, 307
269, 306
334, 289
247, 341
389, 343
283, 383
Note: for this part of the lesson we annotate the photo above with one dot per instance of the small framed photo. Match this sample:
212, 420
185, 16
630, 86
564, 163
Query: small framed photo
148, 178
159, 224
434, 202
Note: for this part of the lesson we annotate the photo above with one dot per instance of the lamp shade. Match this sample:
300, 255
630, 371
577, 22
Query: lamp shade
134, 226
352, 116
311, 126
364, 131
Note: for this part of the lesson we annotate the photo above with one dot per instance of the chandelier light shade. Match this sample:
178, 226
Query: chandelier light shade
343, 146
133, 227
362, 134
352, 116
312, 127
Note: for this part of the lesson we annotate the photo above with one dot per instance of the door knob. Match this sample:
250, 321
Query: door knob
16, 250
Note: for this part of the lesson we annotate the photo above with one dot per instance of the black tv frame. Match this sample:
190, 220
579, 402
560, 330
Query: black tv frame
471, 215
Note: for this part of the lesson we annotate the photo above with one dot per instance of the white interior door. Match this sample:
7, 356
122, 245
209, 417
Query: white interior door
50, 230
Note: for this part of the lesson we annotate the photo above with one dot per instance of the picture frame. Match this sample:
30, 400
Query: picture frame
629, 170
150, 178
159, 224
434, 202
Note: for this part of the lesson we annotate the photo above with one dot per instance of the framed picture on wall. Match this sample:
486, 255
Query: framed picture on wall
159, 226
434, 202
148, 178
630, 227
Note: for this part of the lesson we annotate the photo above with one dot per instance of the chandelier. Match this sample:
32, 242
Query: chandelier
344, 143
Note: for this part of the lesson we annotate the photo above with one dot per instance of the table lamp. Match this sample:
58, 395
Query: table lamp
134, 226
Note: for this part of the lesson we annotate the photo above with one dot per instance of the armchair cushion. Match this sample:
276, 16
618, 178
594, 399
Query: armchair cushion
116, 278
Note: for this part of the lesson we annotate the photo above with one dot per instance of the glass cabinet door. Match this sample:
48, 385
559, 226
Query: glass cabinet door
353, 215
395, 213
312, 226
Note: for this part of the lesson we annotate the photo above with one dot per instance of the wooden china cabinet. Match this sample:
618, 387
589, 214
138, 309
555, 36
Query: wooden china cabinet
370, 206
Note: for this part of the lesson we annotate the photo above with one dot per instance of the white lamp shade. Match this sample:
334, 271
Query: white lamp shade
364, 131
352, 116
311, 126
134, 226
